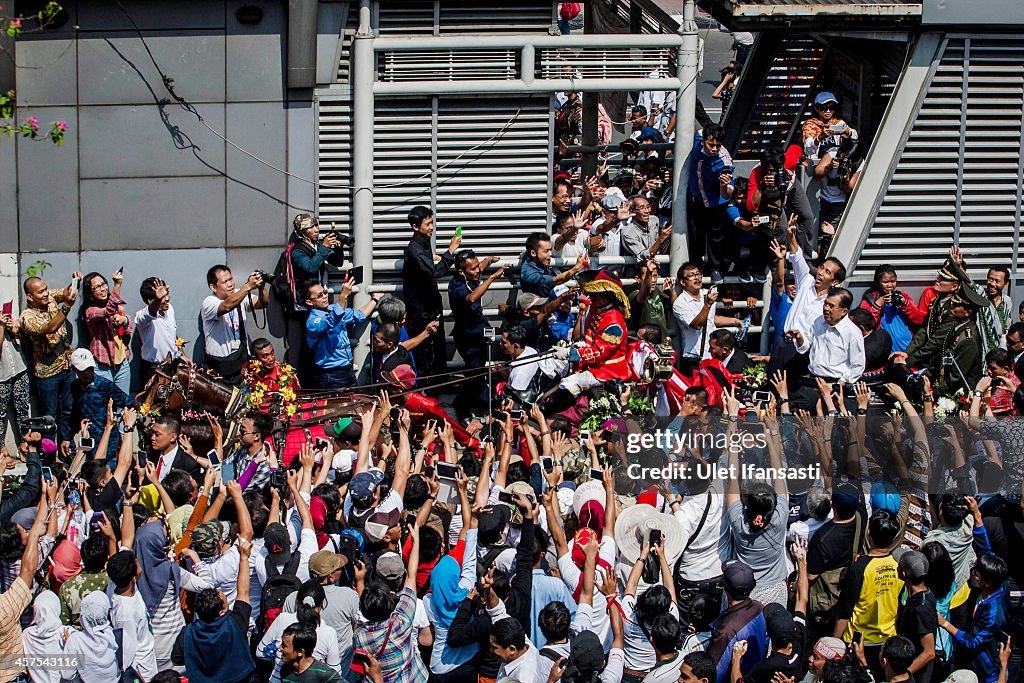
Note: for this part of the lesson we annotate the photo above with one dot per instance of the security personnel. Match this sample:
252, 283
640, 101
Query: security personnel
962, 345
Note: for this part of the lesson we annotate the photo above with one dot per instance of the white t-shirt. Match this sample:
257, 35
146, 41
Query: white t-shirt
222, 572
326, 649
307, 546
667, 672
224, 333
703, 559
137, 643
573, 250
157, 333
640, 654
521, 373
685, 309
571, 575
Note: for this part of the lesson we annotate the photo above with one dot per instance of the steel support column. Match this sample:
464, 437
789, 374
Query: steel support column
362, 158
686, 111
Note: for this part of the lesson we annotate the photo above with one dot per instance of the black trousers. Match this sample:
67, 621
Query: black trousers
432, 355
707, 231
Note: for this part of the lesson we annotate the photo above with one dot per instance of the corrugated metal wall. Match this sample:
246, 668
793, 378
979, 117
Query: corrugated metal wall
958, 177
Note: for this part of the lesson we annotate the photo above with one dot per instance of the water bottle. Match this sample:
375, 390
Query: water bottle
741, 335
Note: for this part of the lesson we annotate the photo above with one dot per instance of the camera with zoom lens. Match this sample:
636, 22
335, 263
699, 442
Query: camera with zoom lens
898, 299
43, 424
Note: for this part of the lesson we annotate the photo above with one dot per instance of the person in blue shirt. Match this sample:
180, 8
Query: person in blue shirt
92, 394
327, 334
536, 274
980, 645
783, 293
709, 189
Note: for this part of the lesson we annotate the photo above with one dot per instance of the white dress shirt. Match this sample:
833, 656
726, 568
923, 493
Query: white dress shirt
165, 462
158, 333
835, 351
806, 306
685, 308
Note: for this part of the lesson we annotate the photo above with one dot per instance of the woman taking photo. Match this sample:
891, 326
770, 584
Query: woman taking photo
893, 310
110, 330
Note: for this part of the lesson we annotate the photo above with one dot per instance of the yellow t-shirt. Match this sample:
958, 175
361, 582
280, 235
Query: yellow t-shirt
869, 596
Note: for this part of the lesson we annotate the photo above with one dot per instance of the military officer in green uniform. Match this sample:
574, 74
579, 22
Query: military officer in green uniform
958, 358
925, 349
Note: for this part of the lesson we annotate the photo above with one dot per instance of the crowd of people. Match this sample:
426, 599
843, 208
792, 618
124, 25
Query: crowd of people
618, 492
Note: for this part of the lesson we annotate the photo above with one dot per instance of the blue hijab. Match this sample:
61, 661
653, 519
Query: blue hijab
157, 570
446, 595
216, 652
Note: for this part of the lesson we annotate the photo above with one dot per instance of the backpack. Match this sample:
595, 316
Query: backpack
283, 286
824, 591
278, 586
569, 11
486, 561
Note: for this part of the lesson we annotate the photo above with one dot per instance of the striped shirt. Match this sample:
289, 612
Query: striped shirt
13, 602
397, 652
919, 521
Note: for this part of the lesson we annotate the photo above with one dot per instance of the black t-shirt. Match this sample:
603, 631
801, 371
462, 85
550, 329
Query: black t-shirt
106, 498
468, 316
318, 672
831, 547
916, 619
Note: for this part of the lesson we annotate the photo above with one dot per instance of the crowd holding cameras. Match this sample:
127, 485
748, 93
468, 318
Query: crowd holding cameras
841, 509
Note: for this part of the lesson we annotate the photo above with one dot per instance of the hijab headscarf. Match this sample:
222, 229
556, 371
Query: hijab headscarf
157, 570
67, 563
95, 644
216, 652
446, 595
44, 636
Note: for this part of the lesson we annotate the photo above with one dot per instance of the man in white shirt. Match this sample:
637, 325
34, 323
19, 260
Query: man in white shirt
224, 321
522, 374
694, 310
835, 346
811, 291
700, 515
156, 325
615, 214
519, 658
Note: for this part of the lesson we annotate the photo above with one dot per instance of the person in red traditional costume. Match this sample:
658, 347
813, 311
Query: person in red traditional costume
265, 369
667, 394
423, 408
603, 353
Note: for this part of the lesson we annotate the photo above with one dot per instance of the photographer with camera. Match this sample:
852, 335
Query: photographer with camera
774, 191
305, 259
892, 310
839, 173
224, 318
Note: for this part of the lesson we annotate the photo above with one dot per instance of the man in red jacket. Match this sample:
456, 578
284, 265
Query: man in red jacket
603, 354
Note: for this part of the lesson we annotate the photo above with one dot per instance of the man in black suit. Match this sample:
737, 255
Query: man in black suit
1015, 345
722, 347
164, 452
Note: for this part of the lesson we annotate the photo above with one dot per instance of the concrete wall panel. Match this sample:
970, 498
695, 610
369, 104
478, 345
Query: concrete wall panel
103, 15
47, 71
171, 213
255, 54
301, 154
8, 196
113, 68
256, 215
48, 185
113, 139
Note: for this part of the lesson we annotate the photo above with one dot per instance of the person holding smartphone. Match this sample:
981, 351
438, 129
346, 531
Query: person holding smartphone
42, 322
110, 329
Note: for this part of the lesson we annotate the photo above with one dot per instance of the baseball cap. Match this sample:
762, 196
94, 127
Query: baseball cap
738, 577
390, 566
527, 301
492, 522
845, 498
341, 428
914, 565
363, 485
205, 538
324, 563
277, 543
780, 624
824, 97
613, 199
378, 523
82, 360
402, 376
587, 652
559, 290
